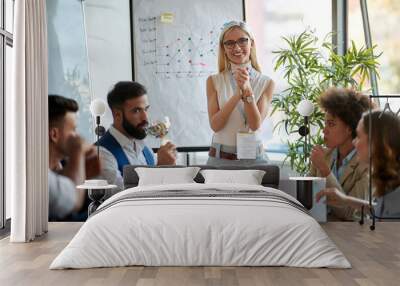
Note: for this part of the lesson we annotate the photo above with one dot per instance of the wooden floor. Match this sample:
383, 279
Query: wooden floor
374, 255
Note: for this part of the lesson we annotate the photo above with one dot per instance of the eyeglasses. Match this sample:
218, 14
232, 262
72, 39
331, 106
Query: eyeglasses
242, 42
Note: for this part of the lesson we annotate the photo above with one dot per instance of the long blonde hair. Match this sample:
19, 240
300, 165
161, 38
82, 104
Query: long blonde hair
223, 62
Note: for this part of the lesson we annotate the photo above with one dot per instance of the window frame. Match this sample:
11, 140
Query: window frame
6, 39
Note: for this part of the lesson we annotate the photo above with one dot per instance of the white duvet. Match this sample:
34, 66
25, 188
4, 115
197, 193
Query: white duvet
200, 231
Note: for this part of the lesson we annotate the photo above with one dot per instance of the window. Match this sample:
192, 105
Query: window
89, 51
270, 20
9, 15
385, 34
6, 42
67, 58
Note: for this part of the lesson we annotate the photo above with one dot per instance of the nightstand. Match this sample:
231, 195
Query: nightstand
306, 189
96, 191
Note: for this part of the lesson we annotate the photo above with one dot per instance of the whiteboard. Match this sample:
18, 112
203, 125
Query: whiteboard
174, 55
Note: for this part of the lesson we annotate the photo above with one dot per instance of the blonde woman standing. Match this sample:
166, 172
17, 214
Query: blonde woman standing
238, 98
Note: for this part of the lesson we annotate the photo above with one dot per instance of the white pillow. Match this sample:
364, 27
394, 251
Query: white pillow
249, 177
165, 176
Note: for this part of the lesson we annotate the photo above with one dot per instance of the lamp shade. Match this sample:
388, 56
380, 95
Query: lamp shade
305, 107
97, 107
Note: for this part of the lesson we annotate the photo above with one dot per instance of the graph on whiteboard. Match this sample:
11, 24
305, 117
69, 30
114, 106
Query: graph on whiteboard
175, 50
183, 55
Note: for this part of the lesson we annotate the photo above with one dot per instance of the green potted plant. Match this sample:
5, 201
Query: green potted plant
310, 69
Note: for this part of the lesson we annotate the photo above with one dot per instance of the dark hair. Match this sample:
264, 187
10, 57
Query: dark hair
346, 104
123, 91
385, 149
59, 106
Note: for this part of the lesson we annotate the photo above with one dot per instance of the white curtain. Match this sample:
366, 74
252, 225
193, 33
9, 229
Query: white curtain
27, 123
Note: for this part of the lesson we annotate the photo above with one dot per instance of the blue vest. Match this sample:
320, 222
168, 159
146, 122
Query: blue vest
111, 144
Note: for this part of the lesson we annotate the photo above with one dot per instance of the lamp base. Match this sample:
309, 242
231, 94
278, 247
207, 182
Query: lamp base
100, 130
305, 193
97, 198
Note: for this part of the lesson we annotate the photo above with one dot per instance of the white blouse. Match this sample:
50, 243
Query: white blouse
236, 122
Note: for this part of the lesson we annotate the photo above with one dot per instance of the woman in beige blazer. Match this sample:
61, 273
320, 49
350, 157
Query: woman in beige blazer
338, 162
385, 165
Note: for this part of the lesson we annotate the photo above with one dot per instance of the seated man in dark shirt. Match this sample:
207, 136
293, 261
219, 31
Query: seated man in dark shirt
66, 145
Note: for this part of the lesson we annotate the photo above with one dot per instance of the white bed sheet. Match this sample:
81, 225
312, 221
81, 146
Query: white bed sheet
200, 231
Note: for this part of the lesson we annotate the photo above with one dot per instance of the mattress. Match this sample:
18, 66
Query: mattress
201, 225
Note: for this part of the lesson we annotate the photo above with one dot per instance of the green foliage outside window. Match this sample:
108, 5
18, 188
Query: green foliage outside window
309, 69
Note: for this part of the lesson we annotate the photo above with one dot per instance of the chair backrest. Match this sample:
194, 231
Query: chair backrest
270, 179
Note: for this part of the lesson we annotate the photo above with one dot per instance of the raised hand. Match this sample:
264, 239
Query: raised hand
166, 155
318, 160
92, 162
242, 79
333, 197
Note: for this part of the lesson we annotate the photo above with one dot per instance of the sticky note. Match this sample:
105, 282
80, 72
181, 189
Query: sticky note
167, 18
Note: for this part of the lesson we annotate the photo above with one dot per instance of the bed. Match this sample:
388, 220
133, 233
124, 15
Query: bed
197, 224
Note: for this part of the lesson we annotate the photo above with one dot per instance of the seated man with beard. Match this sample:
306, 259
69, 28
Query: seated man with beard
123, 143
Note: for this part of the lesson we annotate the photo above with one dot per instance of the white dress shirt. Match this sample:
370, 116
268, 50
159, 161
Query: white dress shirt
133, 150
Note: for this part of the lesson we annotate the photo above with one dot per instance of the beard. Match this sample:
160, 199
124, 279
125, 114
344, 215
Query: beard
138, 131
60, 150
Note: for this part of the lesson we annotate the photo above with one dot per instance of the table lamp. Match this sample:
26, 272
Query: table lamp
98, 108
304, 185
305, 109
